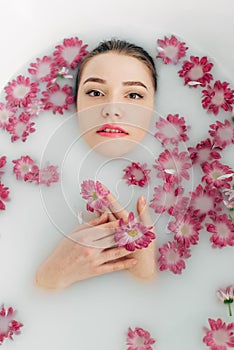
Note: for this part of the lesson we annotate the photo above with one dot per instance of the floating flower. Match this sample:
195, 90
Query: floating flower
48, 175
220, 336
95, 194
8, 325
133, 235
34, 108
44, 69
186, 229
171, 50
217, 174
4, 194
226, 296
167, 198
203, 152
137, 174
21, 91
70, 53
139, 339
173, 166
195, 71
228, 200
6, 112
222, 231
172, 130
172, 257
223, 134
20, 127
23, 166
2, 163
57, 99
218, 96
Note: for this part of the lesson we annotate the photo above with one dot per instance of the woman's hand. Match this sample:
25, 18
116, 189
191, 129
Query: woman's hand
146, 259
87, 252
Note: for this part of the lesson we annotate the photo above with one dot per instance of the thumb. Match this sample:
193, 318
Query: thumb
143, 211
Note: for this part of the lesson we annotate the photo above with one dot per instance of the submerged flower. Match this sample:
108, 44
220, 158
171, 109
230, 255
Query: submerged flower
222, 231
95, 194
172, 130
133, 234
186, 229
172, 257
20, 127
220, 336
173, 166
6, 112
167, 198
195, 71
203, 152
57, 99
226, 296
48, 175
23, 166
171, 50
139, 339
8, 325
223, 134
218, 96
217, 174
20, 91
44, 69
70, 53
4, 194
34, 108
137, 174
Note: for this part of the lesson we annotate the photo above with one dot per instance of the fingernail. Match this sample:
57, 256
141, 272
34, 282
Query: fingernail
143, 200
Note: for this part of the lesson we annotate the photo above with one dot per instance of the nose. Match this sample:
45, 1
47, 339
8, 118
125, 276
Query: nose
112, 111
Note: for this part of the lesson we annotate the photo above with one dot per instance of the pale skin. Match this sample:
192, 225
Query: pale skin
75, 258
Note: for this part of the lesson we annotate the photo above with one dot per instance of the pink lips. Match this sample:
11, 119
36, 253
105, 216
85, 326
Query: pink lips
109, 130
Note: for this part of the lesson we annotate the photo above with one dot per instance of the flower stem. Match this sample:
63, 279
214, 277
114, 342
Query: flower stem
229, 309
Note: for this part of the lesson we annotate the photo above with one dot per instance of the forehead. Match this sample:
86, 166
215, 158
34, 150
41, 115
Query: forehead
113, 65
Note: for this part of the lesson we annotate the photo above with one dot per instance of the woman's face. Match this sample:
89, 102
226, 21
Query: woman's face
115, 102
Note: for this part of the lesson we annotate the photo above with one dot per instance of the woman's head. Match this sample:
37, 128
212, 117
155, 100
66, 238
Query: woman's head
116, 86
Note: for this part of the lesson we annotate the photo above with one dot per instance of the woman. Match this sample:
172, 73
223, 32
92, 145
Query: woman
116, 87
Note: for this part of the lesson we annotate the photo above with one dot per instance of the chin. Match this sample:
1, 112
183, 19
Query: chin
114, 148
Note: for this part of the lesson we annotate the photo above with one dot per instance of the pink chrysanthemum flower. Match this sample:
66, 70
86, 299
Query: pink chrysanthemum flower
222, 231
2, 162
228, 198
61, 73
20, 127
171, 50
172, 257
6, 112
226, 295
137, 174
34, 108
23, 166
222, 133
167, 198
217, 174
218, 96
204, 200
48, 175
173, 166
195, 71
70, 53
4, 194
95, 194
172, 130
186, 229
139, 339
20, 91
133, 235
57, 99
203, 152
8, 325
44, 69
220, 336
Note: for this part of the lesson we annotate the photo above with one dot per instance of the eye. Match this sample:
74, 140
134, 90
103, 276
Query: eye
135, 96
94, 93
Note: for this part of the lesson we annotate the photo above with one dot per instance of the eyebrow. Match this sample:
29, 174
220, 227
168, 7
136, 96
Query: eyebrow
125, 83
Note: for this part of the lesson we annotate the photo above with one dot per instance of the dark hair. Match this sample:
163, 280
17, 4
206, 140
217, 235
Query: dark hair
122, 47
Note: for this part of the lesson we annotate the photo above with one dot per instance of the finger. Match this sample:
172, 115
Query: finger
143, 211
116, 208
117, 266
111, 217
97, 221
113, 254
